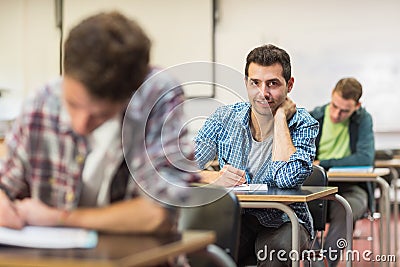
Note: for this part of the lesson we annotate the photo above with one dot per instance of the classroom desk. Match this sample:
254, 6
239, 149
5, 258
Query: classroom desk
112, 250
392, 164
280, 198
375, 177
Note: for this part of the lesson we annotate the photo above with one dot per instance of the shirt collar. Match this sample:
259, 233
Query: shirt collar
244, 115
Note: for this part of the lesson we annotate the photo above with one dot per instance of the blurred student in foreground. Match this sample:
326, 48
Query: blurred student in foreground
73, 151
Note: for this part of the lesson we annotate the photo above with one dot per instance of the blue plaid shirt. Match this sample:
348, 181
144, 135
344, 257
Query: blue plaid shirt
226, 134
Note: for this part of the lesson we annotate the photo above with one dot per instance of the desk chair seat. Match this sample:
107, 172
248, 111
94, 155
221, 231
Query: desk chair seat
215, 209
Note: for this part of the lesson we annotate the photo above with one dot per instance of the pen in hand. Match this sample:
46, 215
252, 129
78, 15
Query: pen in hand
227, 163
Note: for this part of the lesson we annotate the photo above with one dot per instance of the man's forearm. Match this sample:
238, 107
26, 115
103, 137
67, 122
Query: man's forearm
138, 215
209, 177
283, 146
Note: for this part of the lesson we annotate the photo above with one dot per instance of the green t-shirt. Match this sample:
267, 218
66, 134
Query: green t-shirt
335, 139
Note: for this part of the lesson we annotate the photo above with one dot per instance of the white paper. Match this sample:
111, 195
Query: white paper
250, 187
49, 237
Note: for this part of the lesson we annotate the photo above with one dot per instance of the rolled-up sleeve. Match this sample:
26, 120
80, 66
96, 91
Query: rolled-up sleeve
292, 173
206, 141
13, 168
155, 141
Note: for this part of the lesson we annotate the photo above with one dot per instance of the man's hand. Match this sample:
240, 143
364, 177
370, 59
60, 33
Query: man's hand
230, 176
9, 216
35, 212
288, 108
283, 147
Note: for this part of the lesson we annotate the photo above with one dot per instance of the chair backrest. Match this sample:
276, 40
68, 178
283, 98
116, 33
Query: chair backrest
220, 213
318, 207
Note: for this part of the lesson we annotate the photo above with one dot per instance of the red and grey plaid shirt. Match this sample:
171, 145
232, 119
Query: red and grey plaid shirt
45, 157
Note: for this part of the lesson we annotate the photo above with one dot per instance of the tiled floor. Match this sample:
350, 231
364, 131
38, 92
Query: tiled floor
364, 246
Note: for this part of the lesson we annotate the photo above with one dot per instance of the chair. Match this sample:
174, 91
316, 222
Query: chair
215, 209
318, 208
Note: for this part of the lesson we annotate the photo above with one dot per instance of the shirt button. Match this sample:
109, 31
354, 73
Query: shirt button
79, 159
69, 197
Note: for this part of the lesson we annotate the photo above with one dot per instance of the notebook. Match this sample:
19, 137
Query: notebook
352, 169
49, 237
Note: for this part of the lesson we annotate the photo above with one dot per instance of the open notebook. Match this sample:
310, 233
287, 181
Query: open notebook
49, 237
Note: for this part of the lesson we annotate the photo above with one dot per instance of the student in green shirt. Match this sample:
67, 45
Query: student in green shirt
345, 139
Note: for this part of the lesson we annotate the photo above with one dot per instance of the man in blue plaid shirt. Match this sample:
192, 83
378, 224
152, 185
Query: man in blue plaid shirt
266, 140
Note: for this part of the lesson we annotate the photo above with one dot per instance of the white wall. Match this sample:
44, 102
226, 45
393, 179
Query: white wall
28, 48
29, 42
180, 29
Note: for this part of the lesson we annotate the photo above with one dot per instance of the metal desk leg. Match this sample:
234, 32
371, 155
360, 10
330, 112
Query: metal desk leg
384, 200
395, 178
292, 216
349, 224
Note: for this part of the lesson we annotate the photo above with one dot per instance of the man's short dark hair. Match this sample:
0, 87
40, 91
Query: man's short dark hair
109, 54
349, 88
268, 55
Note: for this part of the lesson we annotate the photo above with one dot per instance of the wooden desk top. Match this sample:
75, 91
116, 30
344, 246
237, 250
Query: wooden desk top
395, 162
112, 250
304, 194
376, 173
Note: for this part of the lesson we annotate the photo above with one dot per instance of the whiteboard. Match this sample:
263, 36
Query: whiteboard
327, 40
